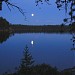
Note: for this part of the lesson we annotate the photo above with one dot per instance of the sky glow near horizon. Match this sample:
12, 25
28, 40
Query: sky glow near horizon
44, 14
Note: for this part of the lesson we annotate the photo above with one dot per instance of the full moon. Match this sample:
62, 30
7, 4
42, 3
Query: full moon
32, 14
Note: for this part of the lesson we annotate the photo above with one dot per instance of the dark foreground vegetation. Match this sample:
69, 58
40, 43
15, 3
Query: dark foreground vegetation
6, 26
27, 67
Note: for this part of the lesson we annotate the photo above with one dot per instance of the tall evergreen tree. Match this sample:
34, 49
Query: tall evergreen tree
27, 62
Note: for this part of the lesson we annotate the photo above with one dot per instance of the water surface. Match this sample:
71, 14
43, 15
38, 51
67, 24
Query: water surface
53, 49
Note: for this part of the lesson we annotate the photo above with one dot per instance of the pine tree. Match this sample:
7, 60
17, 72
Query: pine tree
27, 62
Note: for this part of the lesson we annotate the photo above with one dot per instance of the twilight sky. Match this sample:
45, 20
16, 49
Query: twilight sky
43, 15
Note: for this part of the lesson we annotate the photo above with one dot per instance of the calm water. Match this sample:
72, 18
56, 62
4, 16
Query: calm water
53, 49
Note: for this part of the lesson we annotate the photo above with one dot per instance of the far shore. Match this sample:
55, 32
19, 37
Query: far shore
37, 29
17, 28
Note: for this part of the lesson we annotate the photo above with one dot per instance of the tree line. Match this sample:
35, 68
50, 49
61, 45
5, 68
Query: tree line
4, 24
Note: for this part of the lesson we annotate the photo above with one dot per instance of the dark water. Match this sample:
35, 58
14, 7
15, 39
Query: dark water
53, 49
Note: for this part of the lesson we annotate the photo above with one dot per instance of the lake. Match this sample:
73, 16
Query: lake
49, 48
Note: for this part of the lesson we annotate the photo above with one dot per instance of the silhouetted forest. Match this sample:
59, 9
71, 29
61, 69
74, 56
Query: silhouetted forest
18, 28
72, 28
36, 28
28, 67
7, 29
4, 24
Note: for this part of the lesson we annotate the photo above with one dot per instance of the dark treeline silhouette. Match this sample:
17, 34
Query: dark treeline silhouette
4, 24
27, 67
18, 28
39, 28
72, 27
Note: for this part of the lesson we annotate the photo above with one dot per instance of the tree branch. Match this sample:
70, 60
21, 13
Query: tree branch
8, 3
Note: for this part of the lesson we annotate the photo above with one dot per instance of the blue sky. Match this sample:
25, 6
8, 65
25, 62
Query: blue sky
43, 15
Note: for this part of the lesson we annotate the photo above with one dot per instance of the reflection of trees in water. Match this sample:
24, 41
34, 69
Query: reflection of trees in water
4, 36
73, 49
73, 41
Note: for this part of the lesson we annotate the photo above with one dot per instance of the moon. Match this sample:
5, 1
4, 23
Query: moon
32, 14
32, 42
